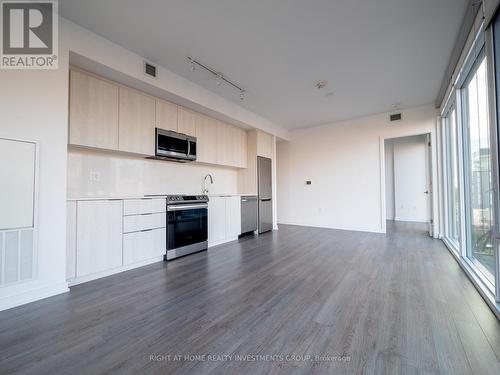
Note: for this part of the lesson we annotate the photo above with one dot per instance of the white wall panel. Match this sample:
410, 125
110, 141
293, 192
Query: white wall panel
17, 183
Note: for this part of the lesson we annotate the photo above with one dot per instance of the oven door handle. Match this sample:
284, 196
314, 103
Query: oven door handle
187, 207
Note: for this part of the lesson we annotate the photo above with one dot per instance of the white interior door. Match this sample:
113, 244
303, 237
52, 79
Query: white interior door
411, 190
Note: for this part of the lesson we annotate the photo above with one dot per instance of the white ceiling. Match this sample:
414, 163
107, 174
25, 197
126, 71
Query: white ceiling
372, 52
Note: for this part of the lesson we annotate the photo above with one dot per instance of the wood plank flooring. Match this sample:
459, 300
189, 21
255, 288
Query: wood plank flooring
366, 303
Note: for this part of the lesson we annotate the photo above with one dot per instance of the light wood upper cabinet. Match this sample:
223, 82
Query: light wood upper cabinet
166, 115
111, 116
241, 150
93, 111
137, 122
186, 122
206, 139
231, 145
224, 147
265, 144
247, 178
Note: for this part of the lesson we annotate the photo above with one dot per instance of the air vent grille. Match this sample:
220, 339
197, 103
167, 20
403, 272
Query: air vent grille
150, 69
395, 117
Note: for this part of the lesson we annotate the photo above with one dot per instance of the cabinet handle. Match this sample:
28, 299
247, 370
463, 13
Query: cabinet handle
148, 213
146, 230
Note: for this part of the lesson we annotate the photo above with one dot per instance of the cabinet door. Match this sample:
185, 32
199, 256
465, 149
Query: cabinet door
224, 144
265, 144
206, 139
93, 112
99, 236
233, 217
137, 122
144, 245
70, 239
186, 122
241, 149
216, 219
166, 115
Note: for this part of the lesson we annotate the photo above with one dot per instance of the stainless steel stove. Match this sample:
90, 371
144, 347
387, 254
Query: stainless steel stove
187, 225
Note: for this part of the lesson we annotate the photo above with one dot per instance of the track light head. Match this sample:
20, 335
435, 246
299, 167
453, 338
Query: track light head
218, 79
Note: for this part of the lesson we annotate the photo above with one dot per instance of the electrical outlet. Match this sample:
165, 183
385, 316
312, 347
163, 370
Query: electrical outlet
94, 176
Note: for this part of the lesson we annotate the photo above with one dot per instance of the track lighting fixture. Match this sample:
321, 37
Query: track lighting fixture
219, 77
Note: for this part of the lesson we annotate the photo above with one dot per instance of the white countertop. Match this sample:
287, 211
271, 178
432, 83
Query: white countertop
149, 197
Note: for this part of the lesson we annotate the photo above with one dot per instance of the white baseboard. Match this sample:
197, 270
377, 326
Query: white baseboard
330, 227
220, 242
32, 295
98, 275
411, 220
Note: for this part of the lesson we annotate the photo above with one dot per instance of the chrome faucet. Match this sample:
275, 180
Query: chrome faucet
205, 189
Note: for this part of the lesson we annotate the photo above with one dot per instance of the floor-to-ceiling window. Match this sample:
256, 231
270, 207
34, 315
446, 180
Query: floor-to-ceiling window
477, 168
470, 129
452, 175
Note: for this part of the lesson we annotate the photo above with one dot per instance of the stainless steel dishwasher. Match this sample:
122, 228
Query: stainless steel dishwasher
249, 213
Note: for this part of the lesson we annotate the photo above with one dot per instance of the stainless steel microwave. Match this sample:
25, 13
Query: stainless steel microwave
173, 145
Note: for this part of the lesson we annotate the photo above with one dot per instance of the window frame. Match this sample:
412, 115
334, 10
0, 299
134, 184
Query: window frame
475, 59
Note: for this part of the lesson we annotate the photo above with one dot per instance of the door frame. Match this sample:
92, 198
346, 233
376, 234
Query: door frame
434, 177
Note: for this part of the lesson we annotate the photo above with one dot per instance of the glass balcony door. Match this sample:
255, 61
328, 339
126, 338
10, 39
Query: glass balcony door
477, 165
452, 178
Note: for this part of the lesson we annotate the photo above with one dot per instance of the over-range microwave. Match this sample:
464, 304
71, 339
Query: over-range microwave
176, 146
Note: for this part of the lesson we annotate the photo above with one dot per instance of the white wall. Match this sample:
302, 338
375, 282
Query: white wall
410, 179
33, 106
93, 174
389, 179
345, 162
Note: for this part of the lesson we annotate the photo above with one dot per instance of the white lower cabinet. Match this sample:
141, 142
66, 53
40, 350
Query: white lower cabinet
224, 219
233, 216
135, 223
70, 240
110, 236
98, 236
143, 245
216, 220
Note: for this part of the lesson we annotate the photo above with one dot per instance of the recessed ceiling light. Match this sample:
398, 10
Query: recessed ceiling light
320, 84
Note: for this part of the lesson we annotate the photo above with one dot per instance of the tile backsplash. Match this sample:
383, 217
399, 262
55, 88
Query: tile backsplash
95, 174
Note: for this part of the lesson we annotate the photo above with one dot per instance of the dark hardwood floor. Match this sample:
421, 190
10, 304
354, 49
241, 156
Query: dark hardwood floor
367, 303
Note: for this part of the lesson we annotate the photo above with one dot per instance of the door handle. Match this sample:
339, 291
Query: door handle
426, 192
